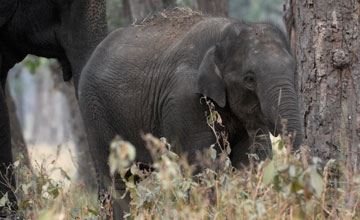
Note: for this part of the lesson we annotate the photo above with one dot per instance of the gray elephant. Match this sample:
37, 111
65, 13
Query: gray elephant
150, 78
68, 30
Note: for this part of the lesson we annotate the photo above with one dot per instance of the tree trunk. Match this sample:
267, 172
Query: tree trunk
213, 7
17, 139
328, 53
126, 11
169, 3
85, 165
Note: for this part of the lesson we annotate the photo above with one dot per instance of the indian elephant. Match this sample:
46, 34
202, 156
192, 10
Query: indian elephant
150, 77
68, 30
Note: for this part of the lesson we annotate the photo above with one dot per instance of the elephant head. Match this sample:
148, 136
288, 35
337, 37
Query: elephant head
252, 71
68, 30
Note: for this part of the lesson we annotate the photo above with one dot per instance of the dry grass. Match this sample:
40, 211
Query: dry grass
289, 186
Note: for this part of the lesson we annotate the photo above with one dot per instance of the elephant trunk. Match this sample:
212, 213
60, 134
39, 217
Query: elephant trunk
280, 107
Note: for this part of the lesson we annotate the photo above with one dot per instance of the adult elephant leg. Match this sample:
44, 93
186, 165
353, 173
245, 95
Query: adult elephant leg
6, 155
260, 142
100, 134
239, 152
254, 141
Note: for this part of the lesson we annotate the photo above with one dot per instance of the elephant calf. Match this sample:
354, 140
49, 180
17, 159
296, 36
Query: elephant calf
150, 78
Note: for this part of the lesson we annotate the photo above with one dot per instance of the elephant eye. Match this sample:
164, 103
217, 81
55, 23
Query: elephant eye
250, 81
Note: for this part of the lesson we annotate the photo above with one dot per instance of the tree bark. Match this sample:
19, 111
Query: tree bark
328, 52
213, 7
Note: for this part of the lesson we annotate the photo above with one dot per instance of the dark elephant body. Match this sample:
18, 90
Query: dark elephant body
62, 29
150, 77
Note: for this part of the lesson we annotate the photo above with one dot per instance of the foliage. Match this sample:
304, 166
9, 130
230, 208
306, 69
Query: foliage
288, 186
42, 198
257, 10
33, 62
114, 11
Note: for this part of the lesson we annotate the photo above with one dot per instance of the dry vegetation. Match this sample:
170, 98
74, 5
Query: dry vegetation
289, 186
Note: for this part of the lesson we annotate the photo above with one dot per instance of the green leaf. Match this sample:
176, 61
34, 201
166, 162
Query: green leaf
212, 117
92, 211
269, 171
280, 144
228, 149
292, 171
54, 192
316, 182
260, 209
295, 187
16, 163
23, 204
213, 152
4, 200
282, 168
32, 63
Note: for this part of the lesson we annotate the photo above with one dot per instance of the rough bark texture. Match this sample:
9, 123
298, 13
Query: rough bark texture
328, 52
213, 7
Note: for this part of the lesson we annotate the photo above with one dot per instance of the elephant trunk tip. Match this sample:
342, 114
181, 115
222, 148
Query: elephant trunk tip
291, 136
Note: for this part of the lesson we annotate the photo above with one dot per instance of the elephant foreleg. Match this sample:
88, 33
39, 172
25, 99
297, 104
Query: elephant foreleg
255, 141
7, 179
260, 142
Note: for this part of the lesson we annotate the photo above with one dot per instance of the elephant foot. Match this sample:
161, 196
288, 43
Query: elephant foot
120, 207
116, 207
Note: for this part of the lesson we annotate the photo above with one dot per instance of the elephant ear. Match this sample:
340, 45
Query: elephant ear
7, 9
209, 80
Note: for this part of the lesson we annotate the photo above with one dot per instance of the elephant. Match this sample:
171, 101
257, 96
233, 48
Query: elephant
68, 30
150, 77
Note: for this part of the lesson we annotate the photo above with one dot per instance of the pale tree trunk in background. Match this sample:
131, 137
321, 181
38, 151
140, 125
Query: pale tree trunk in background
289, 21
169, 3
86, 169
328, 53
213, 7
140, 9
17, 139
126, 12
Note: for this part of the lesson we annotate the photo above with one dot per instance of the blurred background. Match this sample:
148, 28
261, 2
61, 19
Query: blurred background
44, 109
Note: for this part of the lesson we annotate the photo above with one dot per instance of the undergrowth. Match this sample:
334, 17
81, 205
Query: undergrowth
288, 186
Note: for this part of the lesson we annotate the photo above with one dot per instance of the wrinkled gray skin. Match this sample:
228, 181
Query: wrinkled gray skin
149, 78
68, 30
